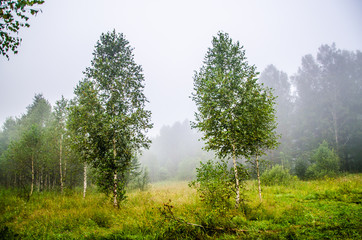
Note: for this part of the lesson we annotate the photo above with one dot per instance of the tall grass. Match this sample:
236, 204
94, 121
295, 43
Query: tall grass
321, 209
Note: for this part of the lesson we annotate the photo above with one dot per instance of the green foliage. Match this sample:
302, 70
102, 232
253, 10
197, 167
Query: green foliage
277, 175
319, 209
139, 179
108, 118
301, 165
235, 113
215, 183
14, 15
325, 162
280, 85
328, 104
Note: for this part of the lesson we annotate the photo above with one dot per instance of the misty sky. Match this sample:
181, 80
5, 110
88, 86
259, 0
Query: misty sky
170, 40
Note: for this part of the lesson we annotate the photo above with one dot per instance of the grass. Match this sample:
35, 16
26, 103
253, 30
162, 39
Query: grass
321, 209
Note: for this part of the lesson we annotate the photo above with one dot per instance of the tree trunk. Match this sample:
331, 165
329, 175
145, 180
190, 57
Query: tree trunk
65, 171
37, 179
335, 126
32, 175
115, 201
48, 182
41, 183
60, 164
115, 180
257, 171
85, 180
237, 198
334, 118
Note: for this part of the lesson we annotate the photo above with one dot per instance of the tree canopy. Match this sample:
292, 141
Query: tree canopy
109, 115
234, 112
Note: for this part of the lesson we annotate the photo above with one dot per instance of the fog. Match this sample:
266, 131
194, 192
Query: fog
307, 51
170, 41
319, 103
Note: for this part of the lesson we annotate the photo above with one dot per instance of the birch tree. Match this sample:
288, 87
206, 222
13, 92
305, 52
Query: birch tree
119, 120
60, 114
225, 93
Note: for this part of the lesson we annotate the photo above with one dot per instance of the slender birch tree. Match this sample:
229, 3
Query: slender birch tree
119, 121
60, 116
225, 93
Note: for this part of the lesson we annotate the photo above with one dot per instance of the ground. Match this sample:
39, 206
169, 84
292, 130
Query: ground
321, 209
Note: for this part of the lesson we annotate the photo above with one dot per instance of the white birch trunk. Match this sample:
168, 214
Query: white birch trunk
60, 164
237, 198
257, 171
85, 180
32, 175
115, 180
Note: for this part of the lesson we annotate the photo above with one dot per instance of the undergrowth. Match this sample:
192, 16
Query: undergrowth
320, 209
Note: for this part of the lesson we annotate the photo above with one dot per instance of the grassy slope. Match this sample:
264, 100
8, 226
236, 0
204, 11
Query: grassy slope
325, 209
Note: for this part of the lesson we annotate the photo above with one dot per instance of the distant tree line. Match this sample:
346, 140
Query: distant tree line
175, 153
99, 135
319, 105
96, 136
35, 150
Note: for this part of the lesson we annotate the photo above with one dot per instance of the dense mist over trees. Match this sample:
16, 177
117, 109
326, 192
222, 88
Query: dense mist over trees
175, 153
326, 106
174, 133
321, 103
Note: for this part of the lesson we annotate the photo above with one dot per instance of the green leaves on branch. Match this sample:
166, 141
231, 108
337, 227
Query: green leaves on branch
233, 109
14, 15
108, 117
215, 182
234, 112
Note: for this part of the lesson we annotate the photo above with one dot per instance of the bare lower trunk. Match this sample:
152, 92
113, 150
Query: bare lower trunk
48, 182
115, 195
85, 180
32, 176
257, 171
65, 171
237, 198
335, 126
41, 181
60, 164
115, 180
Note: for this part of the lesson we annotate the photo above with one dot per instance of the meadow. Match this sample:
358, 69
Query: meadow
320, 209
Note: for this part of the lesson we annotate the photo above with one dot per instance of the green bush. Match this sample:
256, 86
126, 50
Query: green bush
325, 162
215, 182
276, 176
301, 166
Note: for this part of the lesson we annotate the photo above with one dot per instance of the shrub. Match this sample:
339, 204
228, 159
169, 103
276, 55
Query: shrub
140, 181
301, 166
215, 182
325, 162
276, 176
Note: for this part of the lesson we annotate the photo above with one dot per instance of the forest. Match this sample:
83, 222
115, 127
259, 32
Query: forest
267, 156
94, 149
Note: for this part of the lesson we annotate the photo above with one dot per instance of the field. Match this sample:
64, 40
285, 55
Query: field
323, 209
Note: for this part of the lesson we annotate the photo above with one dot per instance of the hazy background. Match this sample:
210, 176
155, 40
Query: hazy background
170, 40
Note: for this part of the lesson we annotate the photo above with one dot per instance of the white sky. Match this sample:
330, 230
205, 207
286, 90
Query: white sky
170, 40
